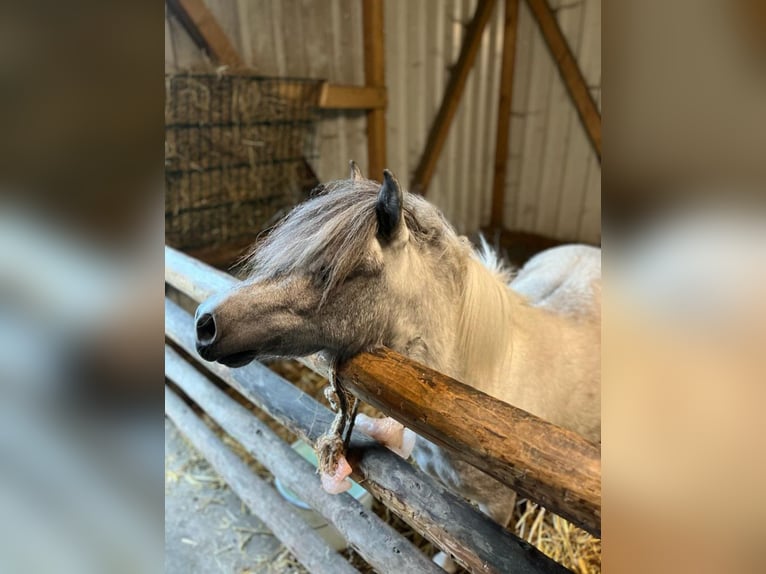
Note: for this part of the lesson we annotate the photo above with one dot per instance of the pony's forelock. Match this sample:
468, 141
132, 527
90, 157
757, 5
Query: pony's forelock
330, 234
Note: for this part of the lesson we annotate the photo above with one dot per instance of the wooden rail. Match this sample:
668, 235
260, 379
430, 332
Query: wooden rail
377, 542
302, 540
442, 517
343, 97
331, 96
554, 467
547, 464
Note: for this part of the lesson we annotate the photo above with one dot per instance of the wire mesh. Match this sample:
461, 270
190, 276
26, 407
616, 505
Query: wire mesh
236, 155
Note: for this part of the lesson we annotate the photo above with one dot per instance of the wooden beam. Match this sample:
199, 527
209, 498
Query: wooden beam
275, 512
547, 464
342, 97
335, 96
552, 466
374, 77
377, 542
437, 135
444, 518
194, 278
504, 112
570, 72
205, 29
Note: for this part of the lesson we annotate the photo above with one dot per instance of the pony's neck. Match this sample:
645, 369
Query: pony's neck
472, 326
484, 338
511, 349
475, 328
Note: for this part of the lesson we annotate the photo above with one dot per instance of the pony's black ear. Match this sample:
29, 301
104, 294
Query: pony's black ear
356, 173
389, 206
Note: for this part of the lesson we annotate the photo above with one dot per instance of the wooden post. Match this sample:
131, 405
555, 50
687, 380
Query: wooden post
570, 72
205, 29
374, 77
504, 112
437, 135
301, 539
548, 464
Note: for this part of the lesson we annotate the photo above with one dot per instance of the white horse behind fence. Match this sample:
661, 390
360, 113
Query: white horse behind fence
363, 264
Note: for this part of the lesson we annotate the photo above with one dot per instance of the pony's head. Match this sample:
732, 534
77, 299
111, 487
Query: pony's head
344, 271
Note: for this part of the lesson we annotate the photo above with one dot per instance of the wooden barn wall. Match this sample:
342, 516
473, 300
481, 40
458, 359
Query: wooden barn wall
553, 182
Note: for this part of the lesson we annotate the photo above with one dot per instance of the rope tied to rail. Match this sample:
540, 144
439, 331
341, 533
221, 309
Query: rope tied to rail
331, 446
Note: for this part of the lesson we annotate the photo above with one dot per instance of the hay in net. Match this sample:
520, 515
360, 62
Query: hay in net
236, 151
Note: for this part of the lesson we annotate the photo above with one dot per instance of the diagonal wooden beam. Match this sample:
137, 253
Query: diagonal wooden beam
504, 112
570, 71
206, 31
440, 127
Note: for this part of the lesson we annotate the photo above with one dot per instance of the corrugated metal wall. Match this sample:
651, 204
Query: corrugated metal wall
554, 179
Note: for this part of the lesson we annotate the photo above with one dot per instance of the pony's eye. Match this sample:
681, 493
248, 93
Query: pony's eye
323, 274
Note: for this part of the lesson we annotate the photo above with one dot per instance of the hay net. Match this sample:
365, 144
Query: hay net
236, 155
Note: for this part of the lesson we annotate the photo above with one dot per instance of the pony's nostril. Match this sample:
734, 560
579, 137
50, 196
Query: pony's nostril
205, 329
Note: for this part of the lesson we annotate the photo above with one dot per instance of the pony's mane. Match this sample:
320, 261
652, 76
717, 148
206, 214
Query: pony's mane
492, 261
329, 235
